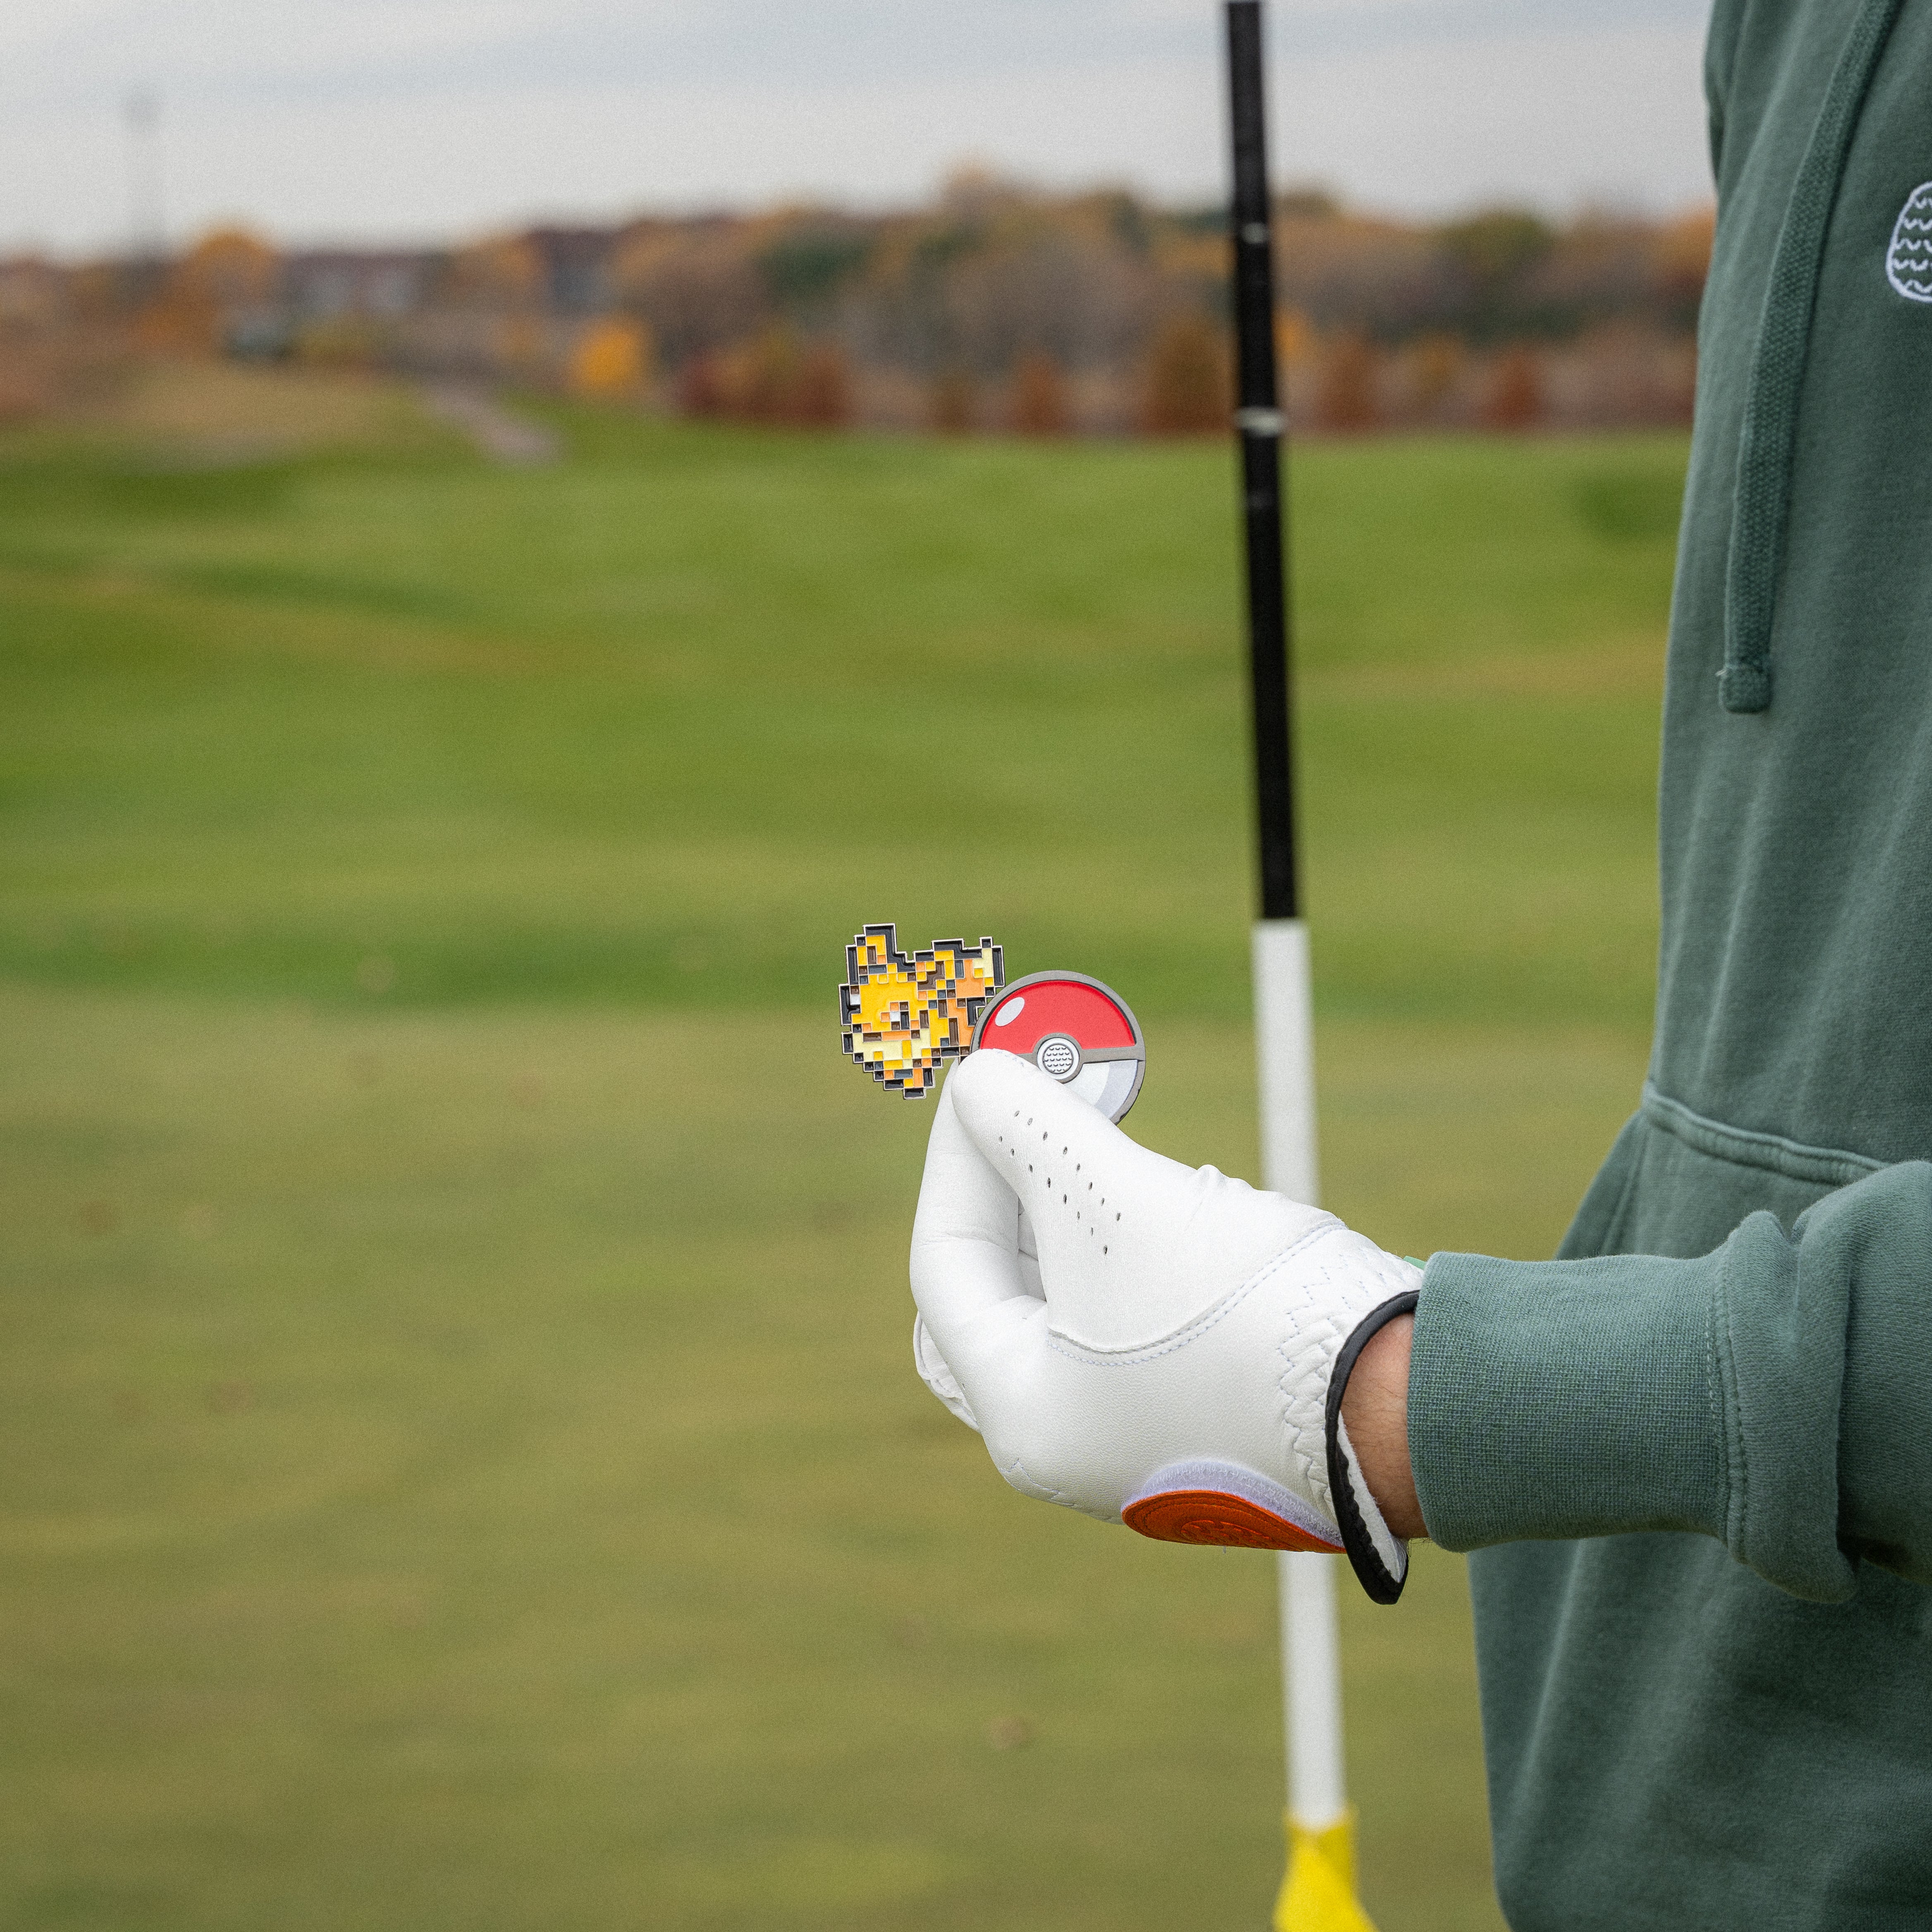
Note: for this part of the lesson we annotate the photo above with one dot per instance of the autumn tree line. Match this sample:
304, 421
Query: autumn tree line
997, 308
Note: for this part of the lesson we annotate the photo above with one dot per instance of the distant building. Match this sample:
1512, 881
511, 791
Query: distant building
337, 284
577, 268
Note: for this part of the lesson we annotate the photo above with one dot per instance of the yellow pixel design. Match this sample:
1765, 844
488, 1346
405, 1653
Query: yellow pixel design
903, 1018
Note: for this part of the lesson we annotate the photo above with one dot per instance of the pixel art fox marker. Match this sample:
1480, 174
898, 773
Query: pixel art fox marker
904, 1018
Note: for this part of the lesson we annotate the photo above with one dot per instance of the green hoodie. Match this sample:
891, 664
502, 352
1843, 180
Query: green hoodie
1694, 1455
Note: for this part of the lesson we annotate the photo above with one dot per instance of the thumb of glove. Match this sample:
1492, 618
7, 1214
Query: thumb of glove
1133, 1247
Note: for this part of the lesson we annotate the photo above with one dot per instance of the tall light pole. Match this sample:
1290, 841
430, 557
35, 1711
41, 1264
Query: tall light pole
147, 226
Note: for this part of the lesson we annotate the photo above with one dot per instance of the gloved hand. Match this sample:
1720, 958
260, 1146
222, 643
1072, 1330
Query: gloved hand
1173, 1356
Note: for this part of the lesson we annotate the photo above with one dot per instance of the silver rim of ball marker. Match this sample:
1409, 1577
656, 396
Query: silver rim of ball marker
1055, 1064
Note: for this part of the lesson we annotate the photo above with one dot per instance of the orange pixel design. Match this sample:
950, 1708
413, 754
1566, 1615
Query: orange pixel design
904, 1018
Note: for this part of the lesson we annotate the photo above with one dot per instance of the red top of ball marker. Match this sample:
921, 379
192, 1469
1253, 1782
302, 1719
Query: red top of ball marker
1073, 1029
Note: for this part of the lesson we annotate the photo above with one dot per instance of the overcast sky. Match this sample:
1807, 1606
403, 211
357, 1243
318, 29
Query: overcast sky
404, 119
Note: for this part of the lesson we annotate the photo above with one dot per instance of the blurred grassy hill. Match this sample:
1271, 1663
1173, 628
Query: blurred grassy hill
463, 1469
638, 727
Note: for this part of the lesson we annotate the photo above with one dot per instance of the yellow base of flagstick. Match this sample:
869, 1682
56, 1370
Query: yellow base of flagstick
1318, 1894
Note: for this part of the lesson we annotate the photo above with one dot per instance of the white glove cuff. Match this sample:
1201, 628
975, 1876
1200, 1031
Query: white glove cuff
1380, 1559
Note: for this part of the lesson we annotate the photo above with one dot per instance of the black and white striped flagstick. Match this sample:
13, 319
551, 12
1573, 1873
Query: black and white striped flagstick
1317, 1893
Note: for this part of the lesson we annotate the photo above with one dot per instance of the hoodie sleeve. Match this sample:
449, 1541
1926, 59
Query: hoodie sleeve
1775, 1394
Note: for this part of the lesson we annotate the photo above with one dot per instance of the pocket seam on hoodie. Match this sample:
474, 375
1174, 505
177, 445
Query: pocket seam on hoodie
1745, 1146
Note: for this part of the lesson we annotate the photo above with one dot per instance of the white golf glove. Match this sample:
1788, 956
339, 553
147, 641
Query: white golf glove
1174, 1355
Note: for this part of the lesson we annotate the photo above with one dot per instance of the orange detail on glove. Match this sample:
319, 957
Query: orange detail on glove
1213, 1516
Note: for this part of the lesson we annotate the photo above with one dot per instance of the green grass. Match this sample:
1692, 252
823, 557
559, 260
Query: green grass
464, 1468
646, 726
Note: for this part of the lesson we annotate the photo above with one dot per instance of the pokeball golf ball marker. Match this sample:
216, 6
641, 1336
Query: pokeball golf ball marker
1075, 1031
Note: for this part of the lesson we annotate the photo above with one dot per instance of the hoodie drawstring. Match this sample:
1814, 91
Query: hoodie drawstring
1765, 452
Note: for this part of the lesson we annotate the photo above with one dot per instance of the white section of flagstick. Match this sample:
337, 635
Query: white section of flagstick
1284, 1051
1311, 1663
1311, 1666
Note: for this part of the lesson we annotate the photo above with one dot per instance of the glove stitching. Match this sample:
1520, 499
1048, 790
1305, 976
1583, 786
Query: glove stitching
1018, 1477
1198, 1325
1299, 1374
1308, 1372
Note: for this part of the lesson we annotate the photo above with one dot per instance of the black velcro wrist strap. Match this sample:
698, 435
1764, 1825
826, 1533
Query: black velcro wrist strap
1370, 1571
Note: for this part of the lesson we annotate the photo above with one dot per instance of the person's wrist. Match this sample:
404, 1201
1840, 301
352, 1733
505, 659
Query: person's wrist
1374, 1410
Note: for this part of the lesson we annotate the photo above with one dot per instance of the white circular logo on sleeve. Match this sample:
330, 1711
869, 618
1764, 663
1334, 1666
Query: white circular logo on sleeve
1908, 262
